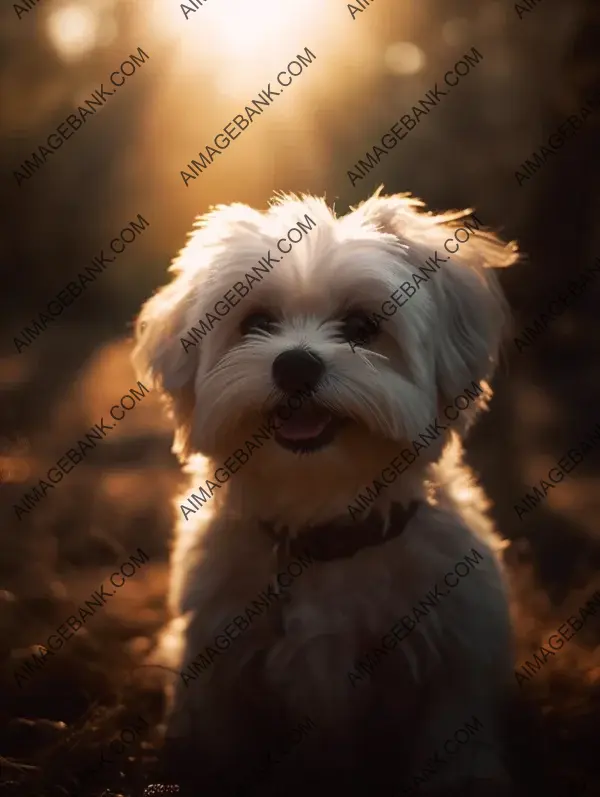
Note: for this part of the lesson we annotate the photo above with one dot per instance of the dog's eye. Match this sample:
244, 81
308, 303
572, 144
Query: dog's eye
359, 328
257, 321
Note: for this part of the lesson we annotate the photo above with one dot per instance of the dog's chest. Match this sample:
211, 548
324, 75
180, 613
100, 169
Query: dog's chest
317, 627
319, 632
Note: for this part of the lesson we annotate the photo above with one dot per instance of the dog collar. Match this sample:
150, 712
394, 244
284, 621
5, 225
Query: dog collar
340, 539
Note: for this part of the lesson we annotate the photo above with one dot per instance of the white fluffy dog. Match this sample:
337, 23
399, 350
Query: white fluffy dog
315, 418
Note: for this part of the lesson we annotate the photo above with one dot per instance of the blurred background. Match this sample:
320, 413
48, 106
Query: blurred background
538, 67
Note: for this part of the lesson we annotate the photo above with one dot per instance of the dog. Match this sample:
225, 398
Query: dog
298, 370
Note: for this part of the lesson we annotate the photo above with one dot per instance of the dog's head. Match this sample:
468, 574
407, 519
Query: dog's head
348, 334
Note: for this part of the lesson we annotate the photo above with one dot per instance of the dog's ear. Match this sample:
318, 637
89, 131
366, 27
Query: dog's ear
471, 314
161, 359
167, 354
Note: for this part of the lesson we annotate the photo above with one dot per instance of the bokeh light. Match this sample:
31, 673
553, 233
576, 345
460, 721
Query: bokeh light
404, 58
72, 30
456, 31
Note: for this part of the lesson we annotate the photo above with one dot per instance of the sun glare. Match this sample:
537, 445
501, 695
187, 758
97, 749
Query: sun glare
72, 30
250, 28
243, 38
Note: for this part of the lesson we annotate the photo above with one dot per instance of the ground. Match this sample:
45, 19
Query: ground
58, 721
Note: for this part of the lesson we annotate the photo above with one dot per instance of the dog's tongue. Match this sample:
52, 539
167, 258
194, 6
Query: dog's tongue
304, 423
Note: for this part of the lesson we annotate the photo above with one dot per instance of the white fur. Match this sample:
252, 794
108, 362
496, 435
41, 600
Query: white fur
445, 337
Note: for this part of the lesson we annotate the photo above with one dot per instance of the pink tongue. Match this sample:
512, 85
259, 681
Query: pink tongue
297, 428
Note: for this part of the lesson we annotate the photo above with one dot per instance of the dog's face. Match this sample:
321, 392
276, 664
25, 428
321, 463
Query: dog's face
299, 343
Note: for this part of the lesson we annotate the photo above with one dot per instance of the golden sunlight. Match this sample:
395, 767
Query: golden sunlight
72, 30
244, 38
248, 29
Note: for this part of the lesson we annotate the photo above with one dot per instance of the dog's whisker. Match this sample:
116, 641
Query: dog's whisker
365, 353
365, 359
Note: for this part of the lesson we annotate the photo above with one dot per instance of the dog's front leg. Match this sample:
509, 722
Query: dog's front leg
460, 750
221, 717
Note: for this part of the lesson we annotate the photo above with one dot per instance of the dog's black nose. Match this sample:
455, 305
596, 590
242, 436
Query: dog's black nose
297, 368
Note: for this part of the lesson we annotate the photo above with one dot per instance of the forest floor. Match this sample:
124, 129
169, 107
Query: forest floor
56, 722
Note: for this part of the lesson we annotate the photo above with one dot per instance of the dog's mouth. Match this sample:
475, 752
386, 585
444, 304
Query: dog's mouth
305, 429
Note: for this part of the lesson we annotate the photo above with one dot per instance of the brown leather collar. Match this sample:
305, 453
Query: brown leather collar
341, 538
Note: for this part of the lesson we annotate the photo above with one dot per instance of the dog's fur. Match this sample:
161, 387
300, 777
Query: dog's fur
455, 665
